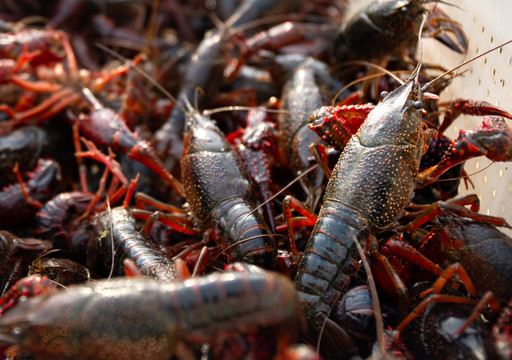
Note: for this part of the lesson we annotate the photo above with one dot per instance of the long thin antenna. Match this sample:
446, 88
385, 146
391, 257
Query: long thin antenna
427, 85
304, 173
143, 74
111, 238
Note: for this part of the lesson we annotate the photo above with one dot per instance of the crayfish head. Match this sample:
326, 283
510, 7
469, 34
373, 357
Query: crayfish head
396, 120
21, 328
202, 134
43, 325
12, 333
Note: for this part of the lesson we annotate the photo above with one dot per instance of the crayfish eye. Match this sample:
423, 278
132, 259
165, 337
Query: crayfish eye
383, 95
417, 104
19, 330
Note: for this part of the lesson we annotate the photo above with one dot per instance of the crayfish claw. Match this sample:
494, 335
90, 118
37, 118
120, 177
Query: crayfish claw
447, 31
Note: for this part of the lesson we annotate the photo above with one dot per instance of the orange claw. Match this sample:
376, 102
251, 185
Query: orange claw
108, 161
24, 190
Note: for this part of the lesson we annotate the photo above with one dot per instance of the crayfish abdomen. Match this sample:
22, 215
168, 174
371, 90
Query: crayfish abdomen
329, 259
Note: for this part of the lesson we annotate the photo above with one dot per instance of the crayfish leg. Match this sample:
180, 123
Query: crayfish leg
320, 153
177, 222
390, 280
309, 218
447, 275
435, 298
404, 250
142, 201
108, 161
455, 206
487, 299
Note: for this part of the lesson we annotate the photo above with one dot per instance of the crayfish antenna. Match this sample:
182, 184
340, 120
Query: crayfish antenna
144, 74
111, 224
190, 108
427, 85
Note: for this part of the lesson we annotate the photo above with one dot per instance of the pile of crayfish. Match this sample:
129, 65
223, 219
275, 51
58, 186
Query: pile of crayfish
243, 180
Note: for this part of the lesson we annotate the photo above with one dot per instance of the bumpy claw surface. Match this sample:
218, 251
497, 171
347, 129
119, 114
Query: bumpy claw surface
458, 107
491, 139
336, 124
